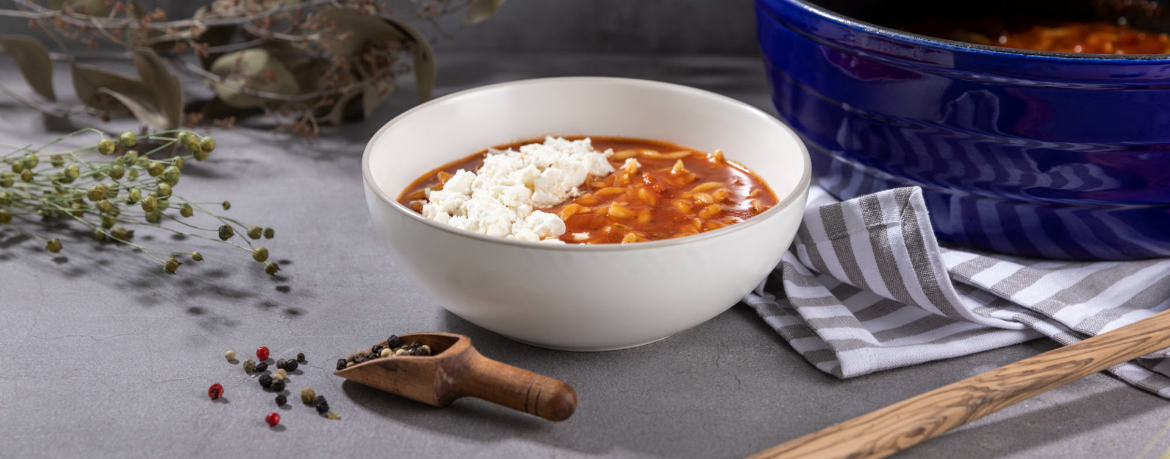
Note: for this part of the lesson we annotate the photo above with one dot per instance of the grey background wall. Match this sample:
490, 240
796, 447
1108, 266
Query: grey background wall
624, 26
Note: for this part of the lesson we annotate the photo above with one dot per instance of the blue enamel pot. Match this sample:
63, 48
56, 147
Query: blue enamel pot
1039, 154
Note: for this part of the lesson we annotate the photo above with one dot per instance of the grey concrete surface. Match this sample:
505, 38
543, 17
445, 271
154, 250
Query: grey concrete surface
102, 355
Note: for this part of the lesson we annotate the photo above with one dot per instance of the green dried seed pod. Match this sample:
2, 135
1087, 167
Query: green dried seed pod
149, 204
78, 209
163, 204
171, 265
133, 174
186, 210
134, 195
72, 171
207, 144
108, 221
117, 171
30, 160
17, 167
57, 160
269, 233
122, 233
129, 158
5, 198
113, 190
97, 175
163, 190
227, 205
255, 232
155, 169
99, 234
153, 217
142, 162
97, 193
7, 179
105, 146
179, 163
196, 256
226, 232
200, 155
54, 245
128, 139
114, 212
171, 175
271, 268
104, 205
260, 254
26, 175
5, 216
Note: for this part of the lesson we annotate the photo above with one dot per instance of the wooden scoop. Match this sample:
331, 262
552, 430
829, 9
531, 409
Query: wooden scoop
455, 370
914, 420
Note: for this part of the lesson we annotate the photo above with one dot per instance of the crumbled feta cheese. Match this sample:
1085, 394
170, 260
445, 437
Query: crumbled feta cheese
501, 198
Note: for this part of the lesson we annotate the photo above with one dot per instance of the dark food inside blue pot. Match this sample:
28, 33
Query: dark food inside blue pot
1036, 153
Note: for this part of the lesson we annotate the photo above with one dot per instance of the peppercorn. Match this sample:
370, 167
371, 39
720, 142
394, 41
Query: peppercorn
321, 405
348, 364
281, 400
350, 357
280, 364
272, 419
290, 365
386, 353
301, 357
341, 364
359, 359
249, 365
215, 391
261, 366
277, 385
265, 381
262, 353
308, 395
230, 355
377, 349
280, 374
394, 341
424, 350
401, 351
415, 344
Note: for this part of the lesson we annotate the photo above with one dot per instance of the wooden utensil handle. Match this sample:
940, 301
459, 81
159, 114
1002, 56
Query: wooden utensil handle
906, 423
517, 388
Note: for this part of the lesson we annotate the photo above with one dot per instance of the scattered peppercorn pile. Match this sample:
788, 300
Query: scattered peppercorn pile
393, 347
276, 382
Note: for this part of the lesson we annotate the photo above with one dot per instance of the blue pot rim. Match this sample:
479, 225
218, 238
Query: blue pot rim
972, 48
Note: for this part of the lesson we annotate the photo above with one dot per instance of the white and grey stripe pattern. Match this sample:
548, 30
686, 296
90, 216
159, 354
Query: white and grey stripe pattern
866, 288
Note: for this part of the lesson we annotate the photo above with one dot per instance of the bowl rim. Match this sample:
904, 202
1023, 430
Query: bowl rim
961, 46
801, 187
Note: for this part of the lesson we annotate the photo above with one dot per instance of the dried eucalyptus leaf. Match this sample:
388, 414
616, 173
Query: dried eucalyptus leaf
33, 59
424, 59
353, 30
480, 10
374, 95
168, 91
88, 80
141, 109
255, 69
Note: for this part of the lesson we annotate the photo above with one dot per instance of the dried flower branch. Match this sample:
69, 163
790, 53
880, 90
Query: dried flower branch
313, 61
115, 196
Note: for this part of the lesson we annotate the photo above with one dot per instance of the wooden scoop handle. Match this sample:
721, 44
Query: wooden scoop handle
906, 423
516, 388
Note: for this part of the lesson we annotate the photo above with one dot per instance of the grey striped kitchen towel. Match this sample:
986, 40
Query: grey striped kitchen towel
866, 287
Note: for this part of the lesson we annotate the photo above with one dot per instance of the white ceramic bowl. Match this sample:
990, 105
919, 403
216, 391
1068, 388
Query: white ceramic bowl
577, 297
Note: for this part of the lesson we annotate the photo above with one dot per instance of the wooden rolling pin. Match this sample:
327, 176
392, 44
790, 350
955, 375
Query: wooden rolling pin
909, 422
456, 370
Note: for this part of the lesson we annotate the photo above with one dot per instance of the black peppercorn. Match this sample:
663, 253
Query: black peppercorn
321, 405
291, 365
377, 349
301, 357
277, 385
265, 381
280, 363
394, 341
340, 364
359, 359
281, 400
415, 344
261, 366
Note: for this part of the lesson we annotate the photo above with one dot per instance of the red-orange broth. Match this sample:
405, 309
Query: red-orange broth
658, 201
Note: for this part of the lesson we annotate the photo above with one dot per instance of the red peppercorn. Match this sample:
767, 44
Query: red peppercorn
216, 391
272, 419
262, 353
